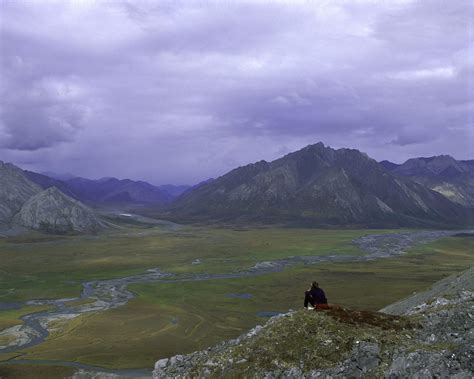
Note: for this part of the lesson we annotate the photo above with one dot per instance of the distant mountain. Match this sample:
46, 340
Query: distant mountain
174, 190
110, 190
45, 182
452, 178
61, 176
388, 165
25, 203
318, 186
52, 211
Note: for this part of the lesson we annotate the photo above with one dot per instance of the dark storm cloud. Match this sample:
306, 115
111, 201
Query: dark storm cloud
181, 91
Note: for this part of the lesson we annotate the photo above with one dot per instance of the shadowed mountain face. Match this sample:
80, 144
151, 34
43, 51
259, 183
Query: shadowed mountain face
318, 186
452, 178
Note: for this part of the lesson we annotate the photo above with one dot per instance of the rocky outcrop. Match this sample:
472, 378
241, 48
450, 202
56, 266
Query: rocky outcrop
15, 190
52, 211
428, 335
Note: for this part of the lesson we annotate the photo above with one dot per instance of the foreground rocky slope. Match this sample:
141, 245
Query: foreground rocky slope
319, 186
428, 335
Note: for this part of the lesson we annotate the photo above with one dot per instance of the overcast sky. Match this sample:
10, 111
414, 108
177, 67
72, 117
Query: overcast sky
179, 91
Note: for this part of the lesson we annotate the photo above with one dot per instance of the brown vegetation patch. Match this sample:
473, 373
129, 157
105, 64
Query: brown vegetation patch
381, 320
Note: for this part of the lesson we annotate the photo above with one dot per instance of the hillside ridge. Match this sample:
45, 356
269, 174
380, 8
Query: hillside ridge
424, 337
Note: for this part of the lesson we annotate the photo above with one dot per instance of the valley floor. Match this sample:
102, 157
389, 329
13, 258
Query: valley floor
203, 301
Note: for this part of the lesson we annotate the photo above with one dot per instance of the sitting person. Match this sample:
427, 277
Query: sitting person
316, 297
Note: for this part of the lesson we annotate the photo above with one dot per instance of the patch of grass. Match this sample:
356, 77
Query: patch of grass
433, 347
5, 340
50, 267
12, 371
305, 339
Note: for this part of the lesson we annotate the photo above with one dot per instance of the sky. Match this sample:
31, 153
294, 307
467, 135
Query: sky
181, 91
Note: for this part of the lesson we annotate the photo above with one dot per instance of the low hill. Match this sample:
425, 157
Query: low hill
52, 211
15, 190
452, 178
426, 336
318, 186
24, 203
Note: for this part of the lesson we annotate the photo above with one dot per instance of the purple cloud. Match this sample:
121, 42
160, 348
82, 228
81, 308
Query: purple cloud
182, 91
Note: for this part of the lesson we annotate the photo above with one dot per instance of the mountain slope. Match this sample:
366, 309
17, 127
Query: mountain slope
52, 211
318, 186
174, 190
112, 190
15, 189
452, 178
46, 182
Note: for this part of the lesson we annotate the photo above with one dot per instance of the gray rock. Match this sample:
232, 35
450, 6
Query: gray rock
367, 356
162, 363
54, 212
419, 365
15, 190
453, 284
293, 372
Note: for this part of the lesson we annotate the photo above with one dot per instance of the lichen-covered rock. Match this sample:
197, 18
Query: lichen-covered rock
52, 211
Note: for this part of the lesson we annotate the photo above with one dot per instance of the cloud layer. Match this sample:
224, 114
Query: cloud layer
181, 91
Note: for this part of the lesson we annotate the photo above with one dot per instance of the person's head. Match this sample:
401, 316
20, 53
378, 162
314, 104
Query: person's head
315, 284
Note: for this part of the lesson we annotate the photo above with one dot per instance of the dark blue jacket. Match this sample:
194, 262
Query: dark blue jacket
315, 296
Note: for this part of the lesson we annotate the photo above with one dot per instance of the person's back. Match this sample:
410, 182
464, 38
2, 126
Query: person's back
315, 296
318, 296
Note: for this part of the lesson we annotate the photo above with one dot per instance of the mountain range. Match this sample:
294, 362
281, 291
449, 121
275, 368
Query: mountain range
320, 186
110, 191
316, 186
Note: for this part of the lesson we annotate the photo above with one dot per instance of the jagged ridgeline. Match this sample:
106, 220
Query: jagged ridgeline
25, 204
320, 186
